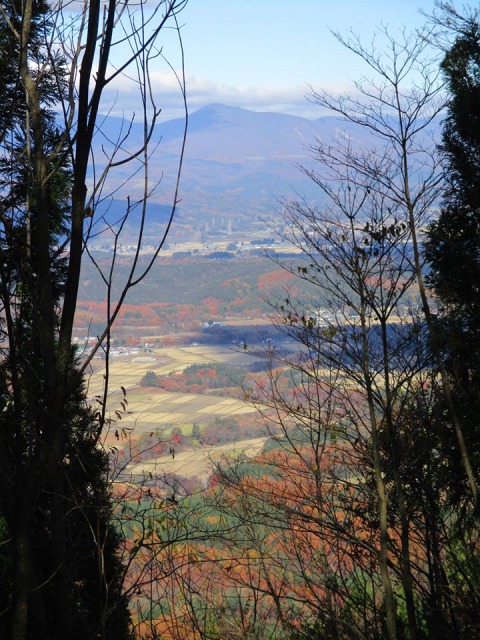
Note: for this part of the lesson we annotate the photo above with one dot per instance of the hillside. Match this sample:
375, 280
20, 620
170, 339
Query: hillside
238, 163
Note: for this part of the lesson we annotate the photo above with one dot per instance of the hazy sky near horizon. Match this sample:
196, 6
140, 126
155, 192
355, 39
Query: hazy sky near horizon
264, 54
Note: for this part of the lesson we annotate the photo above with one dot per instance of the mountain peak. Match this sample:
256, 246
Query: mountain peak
218, 107
217, 115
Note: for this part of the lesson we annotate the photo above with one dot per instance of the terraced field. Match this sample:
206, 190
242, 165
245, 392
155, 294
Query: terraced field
151, 410
196, 462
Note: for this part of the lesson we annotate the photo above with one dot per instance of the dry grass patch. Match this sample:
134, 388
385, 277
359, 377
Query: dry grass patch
197, 462
152, 411
156, 409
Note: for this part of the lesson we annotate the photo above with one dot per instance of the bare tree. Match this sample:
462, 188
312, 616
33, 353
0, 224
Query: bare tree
398, 106
362, 254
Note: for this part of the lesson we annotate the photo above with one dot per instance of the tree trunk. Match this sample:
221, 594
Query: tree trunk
388, 593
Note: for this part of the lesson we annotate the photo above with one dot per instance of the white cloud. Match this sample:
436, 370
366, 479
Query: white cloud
123, 97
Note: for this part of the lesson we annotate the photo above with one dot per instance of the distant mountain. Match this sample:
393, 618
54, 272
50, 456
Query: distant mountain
238, 163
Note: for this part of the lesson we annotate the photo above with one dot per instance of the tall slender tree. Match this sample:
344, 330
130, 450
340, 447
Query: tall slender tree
30, 498
453, 242
63, 578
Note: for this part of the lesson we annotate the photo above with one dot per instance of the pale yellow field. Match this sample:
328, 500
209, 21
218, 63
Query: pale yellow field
197, 462
153, 411
150, 410
127, 371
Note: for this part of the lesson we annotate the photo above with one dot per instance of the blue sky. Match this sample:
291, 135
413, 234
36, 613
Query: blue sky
263, 54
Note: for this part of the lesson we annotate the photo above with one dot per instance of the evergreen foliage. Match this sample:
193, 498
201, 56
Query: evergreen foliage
59, 548
453, 246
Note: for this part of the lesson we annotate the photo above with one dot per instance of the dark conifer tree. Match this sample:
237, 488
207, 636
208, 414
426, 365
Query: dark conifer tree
77, 522
453, 249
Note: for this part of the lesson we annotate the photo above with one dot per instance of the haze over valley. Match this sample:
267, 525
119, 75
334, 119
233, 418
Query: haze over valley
238, 166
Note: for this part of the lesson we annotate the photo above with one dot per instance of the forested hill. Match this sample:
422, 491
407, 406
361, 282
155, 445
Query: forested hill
193, 280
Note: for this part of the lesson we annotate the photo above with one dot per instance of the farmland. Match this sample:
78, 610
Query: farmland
128, 371
156, 420
196, 463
